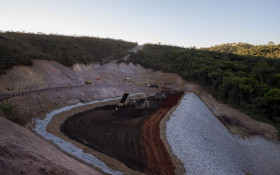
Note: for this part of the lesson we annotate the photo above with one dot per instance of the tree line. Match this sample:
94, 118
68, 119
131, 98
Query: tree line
20, 48
247, 82
270, 50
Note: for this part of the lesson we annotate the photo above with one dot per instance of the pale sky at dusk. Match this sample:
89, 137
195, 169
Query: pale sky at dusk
199, 23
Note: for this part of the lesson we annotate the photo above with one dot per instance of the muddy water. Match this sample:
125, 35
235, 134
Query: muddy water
114, 133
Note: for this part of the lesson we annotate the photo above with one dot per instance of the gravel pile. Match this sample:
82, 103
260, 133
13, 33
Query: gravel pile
205, 146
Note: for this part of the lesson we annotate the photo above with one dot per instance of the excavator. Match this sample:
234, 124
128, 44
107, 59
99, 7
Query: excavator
88, 82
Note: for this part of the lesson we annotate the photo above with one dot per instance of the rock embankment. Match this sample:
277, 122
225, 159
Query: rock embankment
205, 146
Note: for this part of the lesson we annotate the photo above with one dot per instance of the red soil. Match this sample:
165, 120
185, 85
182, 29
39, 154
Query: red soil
158, 159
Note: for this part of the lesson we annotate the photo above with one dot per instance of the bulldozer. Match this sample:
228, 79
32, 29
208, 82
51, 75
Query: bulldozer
143, 103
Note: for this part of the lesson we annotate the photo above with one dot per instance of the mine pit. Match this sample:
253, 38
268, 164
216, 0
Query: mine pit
129, 135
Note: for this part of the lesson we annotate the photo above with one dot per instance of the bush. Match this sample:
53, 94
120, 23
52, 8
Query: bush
9, 110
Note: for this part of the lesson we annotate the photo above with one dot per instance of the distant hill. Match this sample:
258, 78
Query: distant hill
21, 48
248, 82
270, 50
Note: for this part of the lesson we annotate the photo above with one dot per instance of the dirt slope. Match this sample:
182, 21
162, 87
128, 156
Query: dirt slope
23, 152
49, 74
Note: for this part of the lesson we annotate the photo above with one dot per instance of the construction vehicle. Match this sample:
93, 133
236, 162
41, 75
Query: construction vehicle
82, 100
143, 103
124, 100
152, 85
126, 79
132, 101
159, 96
88, 82
168, 82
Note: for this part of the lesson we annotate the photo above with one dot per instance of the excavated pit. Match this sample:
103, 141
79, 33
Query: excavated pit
129, 135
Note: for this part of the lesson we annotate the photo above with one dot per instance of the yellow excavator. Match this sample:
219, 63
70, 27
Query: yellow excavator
88, 82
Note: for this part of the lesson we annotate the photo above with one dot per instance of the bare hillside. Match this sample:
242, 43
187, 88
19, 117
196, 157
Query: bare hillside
23, 152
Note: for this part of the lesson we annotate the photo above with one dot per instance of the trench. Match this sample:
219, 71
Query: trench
128, 135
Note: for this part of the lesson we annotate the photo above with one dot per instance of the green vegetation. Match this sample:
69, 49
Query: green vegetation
270, 50
21, 48
9, 111
246, 82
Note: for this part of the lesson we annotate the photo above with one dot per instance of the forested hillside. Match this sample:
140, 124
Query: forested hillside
21, 48
270, 50
247, 82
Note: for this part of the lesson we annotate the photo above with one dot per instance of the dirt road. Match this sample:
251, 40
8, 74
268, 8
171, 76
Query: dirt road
158, 159
27, 92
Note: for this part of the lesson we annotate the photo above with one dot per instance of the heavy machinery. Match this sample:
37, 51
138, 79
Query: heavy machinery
88, 82
168, 82
124, 100
159, 96
132, 101
152, 85
143, 103
139, 103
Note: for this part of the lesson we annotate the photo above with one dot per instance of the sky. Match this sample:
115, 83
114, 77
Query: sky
187, 23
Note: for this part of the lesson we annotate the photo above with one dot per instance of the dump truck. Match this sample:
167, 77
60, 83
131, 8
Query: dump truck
124, 100
143, 103
159, 96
